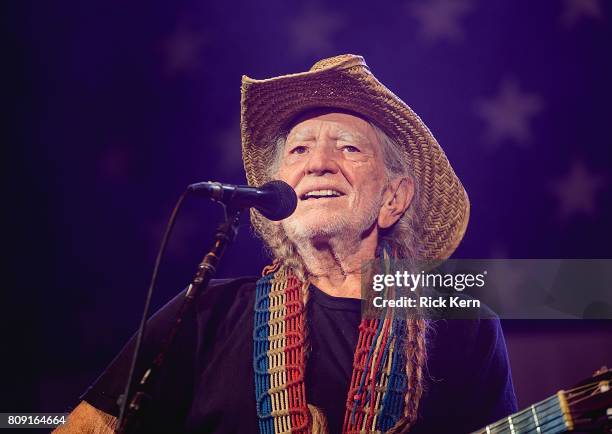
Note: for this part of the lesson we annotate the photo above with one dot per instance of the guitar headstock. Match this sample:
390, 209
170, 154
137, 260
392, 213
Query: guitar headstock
589, 403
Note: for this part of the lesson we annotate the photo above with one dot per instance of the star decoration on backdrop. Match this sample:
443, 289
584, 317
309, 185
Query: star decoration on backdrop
183, 50
511, 285
577, 191
507, 115
312, 31
502, 268
508, 280
440, 19
575, 10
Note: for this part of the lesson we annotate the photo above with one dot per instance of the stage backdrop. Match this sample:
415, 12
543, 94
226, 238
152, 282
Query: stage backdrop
117, 106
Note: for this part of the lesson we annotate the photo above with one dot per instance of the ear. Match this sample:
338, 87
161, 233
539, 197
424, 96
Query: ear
396, 199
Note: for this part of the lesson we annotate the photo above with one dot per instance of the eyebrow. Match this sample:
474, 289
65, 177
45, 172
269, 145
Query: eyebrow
347, 135
341, 134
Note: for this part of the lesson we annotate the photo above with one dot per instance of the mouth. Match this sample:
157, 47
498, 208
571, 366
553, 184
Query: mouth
321, 194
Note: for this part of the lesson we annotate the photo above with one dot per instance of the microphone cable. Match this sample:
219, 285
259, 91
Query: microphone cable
143, 321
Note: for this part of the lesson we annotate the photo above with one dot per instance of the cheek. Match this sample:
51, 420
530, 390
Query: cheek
288, 174
361, 167
366, 177
367, 194
369, 190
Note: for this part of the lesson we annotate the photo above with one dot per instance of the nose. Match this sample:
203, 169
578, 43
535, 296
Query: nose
321, 160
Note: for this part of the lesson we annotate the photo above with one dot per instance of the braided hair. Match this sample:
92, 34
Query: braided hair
403, 240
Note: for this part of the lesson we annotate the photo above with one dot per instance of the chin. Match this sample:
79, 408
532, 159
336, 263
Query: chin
316, 226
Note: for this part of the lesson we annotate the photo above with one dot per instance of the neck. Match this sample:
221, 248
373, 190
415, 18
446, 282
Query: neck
334, 264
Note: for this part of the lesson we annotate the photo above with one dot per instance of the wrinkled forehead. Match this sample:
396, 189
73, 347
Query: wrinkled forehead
354, 126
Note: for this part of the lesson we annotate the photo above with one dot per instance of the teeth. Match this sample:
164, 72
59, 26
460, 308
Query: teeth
323, 193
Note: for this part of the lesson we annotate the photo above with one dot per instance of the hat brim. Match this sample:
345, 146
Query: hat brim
346, 82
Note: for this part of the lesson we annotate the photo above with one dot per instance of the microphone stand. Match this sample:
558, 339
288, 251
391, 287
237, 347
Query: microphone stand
130, 422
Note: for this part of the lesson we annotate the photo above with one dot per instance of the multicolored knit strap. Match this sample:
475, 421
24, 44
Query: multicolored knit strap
278, 352
378, 384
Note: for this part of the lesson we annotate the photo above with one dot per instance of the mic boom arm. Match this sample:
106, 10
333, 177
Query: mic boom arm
131, 417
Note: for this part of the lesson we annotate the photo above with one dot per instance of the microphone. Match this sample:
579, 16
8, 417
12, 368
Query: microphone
275, 200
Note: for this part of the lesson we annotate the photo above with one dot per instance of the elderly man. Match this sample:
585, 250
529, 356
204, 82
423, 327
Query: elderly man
290, 352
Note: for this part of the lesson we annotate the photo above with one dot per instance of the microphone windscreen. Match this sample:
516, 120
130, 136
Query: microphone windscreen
281, 200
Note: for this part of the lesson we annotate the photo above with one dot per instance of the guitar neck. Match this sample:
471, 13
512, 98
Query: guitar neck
546, 417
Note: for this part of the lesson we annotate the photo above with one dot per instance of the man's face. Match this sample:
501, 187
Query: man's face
334, 162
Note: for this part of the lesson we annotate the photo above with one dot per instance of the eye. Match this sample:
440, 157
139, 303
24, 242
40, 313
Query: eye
300, 149
350, 148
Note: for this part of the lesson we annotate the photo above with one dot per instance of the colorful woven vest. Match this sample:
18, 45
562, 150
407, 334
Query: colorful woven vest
378, 385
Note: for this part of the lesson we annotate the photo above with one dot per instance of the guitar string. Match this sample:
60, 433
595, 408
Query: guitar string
573, 396
541, 407
545, 404
559, 421
582, 396
516, 424
524, 416
544, 409
547, 427
505, 426
543, 417
594, 383
587, 388
581, 399
543, 425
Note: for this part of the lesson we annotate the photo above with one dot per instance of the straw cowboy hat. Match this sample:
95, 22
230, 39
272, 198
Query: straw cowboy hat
346, 82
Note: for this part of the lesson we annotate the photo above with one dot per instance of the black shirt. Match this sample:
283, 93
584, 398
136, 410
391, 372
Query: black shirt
208, 386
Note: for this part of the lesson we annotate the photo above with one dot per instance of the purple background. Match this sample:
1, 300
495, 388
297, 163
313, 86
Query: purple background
114, 107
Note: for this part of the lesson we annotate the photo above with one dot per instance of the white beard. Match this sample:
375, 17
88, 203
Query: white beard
345, 228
